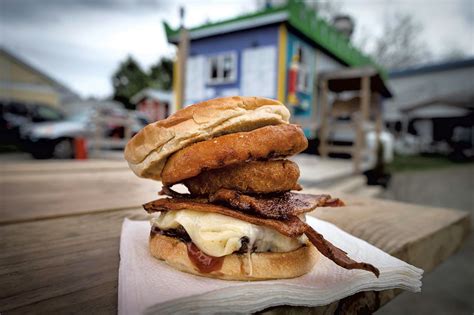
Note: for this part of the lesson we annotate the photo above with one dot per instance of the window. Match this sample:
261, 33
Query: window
222, 68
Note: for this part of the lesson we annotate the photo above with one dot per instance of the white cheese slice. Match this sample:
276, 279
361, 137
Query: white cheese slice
219, 235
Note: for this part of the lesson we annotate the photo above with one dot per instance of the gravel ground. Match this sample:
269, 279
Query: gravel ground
449, 289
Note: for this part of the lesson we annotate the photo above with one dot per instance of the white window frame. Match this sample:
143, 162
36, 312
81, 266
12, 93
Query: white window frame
220, 68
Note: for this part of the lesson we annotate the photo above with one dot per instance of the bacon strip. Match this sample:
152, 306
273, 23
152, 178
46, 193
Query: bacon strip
272, 206
279, 206
336, 254
292, 227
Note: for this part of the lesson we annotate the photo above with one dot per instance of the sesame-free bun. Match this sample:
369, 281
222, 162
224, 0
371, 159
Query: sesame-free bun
264, 266
148, 150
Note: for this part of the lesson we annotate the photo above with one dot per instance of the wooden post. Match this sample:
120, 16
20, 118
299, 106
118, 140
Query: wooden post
323, 134
127, 133
364, 114
378, 120
182, 57
98, 133
183, 47
405, 124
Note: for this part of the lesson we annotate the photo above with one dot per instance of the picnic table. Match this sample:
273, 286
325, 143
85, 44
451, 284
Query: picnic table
60, 232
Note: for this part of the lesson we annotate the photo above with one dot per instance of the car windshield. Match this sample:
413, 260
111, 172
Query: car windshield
45, 113
79, 116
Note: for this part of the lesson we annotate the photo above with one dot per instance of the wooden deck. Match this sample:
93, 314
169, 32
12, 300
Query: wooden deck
60, 227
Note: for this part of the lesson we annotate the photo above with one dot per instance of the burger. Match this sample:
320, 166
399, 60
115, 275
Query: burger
241, 218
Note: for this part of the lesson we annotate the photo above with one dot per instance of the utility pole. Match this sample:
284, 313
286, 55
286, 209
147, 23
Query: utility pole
183, 47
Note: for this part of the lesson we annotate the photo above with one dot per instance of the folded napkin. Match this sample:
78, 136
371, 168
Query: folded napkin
147, 285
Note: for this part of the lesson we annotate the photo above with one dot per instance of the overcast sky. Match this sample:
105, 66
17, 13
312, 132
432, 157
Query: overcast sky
81, 42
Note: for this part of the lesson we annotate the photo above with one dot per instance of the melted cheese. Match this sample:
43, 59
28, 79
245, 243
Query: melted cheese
219, 235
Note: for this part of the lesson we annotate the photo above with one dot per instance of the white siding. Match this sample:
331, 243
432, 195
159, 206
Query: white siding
413, 89
258, 71
195, 80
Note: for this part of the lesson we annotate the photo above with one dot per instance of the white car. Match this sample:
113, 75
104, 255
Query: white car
56, 139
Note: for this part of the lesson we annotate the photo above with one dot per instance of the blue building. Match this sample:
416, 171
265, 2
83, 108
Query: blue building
276, 53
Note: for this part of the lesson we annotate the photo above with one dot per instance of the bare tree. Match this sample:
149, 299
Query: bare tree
326, 9
400, 44
453, 52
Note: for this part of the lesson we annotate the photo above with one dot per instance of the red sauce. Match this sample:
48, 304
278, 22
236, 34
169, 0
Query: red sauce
202, 261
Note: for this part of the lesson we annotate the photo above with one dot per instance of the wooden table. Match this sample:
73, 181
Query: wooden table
60, 229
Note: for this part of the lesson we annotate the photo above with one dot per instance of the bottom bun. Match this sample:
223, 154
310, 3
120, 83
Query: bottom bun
259, 266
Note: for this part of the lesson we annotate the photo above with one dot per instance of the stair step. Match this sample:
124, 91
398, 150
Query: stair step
349, 184
369, 191
340, 149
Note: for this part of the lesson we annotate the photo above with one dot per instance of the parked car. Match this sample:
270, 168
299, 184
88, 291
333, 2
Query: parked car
14, 115
56, 139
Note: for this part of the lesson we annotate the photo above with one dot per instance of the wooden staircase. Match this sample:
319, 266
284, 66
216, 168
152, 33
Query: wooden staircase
354, 185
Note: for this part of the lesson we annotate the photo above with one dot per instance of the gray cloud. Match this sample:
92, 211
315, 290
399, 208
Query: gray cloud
466, 10
81, 42
54, 11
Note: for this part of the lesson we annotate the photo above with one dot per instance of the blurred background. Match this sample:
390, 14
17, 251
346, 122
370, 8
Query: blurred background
384, 91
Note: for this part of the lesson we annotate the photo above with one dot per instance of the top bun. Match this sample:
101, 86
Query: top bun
148, 150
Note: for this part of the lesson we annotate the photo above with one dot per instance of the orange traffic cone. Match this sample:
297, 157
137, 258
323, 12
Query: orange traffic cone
80, 148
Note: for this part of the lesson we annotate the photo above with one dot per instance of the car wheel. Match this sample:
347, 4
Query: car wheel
63, 149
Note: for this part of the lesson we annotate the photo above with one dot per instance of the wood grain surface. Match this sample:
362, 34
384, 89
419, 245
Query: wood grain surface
59, 235
29, 196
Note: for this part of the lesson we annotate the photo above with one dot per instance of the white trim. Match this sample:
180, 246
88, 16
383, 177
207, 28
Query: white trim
235, 26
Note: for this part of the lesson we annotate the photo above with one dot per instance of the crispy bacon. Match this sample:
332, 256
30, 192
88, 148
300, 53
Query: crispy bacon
336, 254
292, 227
272, 206
278, 206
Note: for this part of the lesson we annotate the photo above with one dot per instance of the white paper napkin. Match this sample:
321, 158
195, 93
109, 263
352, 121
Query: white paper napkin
147, 285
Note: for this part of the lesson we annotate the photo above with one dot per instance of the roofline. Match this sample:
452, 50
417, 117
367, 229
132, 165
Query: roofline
273, 18
296, 14
432, 67
36, 70
465, 101
174, 33
135, 99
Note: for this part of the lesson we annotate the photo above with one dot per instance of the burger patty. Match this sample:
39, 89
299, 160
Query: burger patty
264, 143
181, 234
252, 177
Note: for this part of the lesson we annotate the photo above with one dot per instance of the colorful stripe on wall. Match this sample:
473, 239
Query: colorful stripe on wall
282, 47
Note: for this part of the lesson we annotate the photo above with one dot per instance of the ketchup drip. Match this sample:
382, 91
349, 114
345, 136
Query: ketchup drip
202, 261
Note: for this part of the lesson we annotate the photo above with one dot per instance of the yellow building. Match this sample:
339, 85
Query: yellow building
23, 83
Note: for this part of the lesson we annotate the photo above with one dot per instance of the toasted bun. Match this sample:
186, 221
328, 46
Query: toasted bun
264, 266
260, 144
147, 151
